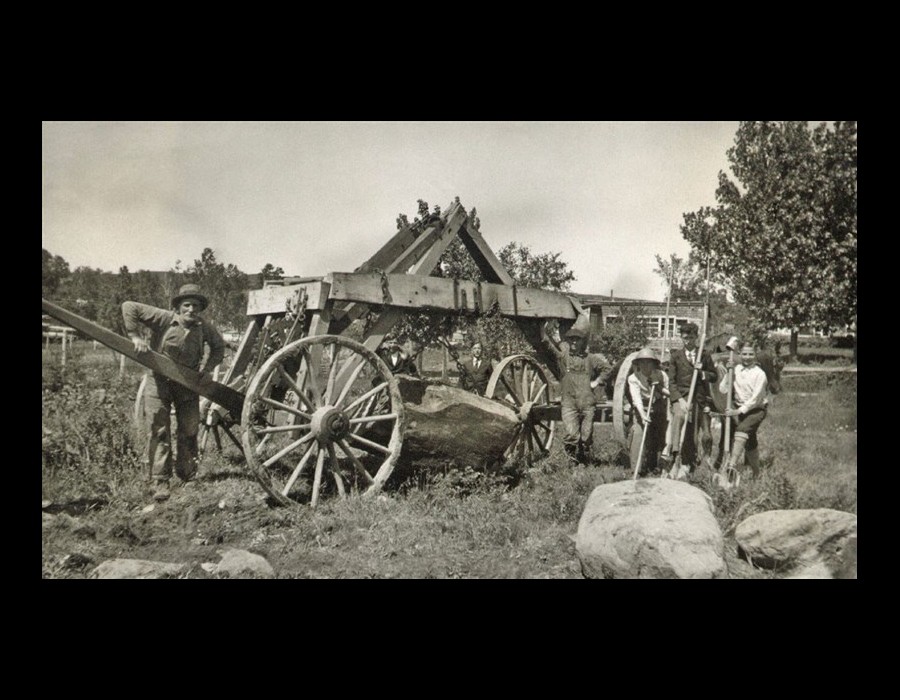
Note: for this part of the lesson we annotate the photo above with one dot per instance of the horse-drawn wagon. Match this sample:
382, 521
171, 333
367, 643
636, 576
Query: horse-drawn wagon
319, 413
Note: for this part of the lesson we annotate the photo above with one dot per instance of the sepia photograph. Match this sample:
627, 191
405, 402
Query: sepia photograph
448, 349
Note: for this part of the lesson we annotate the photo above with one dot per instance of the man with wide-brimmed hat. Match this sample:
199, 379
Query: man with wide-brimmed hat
580, 373
648, 388
183, 335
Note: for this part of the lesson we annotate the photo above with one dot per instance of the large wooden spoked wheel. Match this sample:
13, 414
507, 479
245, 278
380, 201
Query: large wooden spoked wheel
322, 417
520, 381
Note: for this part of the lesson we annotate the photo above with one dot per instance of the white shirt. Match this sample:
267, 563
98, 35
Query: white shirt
750, 387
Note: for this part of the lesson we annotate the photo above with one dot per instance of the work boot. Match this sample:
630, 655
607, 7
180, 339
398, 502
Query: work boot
161, 490
571, 452
753, 460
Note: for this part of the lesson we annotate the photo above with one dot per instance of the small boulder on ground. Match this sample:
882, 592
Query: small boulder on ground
239, 563
810, 543
136, 568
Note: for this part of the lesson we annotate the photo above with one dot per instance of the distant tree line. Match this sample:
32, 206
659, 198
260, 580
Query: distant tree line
98, 295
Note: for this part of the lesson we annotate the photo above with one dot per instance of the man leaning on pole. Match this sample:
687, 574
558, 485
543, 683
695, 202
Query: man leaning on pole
181, 334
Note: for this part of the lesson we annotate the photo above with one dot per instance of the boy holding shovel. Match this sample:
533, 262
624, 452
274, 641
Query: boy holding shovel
750, 389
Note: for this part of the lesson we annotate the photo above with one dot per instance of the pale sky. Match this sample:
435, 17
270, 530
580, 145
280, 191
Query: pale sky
318, 197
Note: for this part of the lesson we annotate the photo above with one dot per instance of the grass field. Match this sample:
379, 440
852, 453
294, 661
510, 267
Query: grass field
453, 523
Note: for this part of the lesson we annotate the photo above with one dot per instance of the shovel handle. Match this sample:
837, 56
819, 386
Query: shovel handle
640, 458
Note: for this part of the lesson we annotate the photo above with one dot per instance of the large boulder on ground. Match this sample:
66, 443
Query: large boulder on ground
811, 543
650, 528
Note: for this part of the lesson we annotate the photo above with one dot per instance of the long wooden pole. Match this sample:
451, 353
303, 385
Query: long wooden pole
221, 394
640, 458
699, 358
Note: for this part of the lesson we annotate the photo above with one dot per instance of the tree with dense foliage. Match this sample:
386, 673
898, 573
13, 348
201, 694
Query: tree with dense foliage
783, 234
54, 269
225, 286
270, 272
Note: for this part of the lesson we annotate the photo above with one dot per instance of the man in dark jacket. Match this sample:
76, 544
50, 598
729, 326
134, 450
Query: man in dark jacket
476, 371
684, 362
182, 335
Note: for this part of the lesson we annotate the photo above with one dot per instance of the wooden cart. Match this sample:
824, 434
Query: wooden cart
320, 413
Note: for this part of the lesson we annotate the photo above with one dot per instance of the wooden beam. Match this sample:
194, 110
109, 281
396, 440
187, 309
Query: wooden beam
274, 299
427, 293
484, 257
221, 394
455, 221
242, 356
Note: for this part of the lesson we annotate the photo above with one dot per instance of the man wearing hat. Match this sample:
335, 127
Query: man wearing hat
580, 372
684, 363
181, 334
648, 387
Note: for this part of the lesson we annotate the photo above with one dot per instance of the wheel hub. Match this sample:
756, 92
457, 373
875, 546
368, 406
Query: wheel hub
525, 410
330, 424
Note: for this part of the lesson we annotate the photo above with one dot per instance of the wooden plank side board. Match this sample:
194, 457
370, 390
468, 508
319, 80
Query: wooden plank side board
274, 299
444, 294
221, 394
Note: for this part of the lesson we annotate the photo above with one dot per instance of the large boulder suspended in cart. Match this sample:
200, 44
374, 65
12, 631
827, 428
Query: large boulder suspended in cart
448, 426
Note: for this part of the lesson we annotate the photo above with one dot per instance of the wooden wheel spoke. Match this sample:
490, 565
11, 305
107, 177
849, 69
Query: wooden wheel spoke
298, 470
290, 448
317, 479
523, 377
361, 410
368, 443
373, 419
284, 407
360, 469
332, 374
231, 435
301, 396
370, 393
532, 434
261, 445
336, 470
283, 428
510, 390
311, 371
517, 433
360, 364
531, 394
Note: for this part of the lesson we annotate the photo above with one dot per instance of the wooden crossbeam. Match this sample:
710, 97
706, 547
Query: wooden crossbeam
424, 292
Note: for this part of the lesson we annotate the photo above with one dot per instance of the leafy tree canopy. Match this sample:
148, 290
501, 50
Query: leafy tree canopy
782, 236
